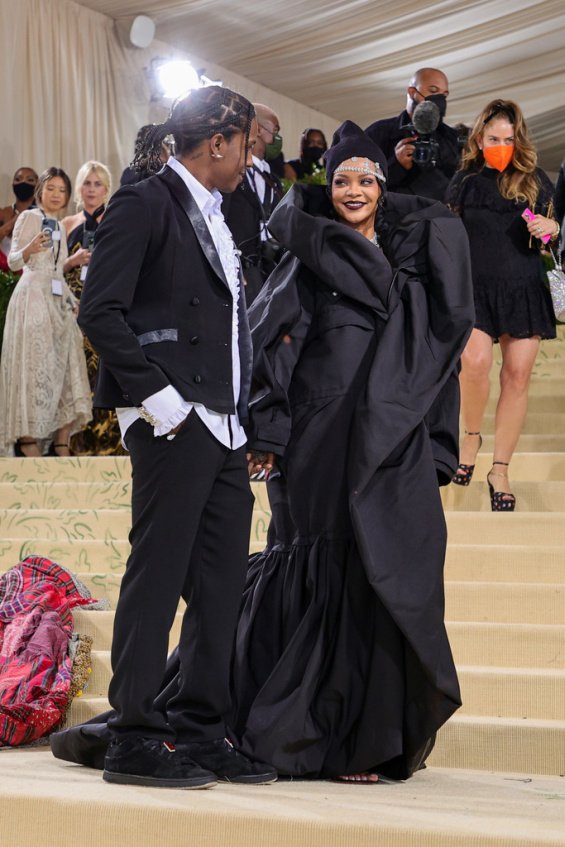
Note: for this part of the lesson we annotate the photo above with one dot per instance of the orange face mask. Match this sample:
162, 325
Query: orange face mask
499, 156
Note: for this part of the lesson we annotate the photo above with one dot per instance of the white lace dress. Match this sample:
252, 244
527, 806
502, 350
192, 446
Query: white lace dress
43, 378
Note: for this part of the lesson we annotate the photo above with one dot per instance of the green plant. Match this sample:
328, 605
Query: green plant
317, 177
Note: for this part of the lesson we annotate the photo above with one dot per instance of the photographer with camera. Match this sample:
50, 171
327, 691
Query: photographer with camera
247, 209
422, 151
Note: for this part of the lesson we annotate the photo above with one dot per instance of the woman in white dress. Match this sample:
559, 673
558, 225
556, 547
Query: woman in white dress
44, 389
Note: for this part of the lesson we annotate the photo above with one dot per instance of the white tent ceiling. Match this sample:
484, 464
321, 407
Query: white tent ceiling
353, 58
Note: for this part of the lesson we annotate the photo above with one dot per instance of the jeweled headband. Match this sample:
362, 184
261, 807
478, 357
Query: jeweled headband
366, 166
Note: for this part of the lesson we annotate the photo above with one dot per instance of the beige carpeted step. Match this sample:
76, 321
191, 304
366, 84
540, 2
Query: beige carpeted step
511, 645
65, 495
505, 563
505, 602
87, 706
79, 469
436, 808
542, 386
546, 496
527, 467
506, 528
65, 524
512, 692
536, 423
501, 744
545, 367
99, 679
531, 443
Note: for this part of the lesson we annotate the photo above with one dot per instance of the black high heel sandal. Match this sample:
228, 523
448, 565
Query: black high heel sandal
18, 448
500, 501
53, 450
464, 473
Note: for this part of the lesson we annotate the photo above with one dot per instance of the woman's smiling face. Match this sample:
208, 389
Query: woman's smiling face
355, 195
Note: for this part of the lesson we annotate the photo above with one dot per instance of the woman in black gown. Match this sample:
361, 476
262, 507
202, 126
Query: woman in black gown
342, 664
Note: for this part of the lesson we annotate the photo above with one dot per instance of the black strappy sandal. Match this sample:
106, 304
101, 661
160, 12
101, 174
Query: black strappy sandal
464, 473
500, 501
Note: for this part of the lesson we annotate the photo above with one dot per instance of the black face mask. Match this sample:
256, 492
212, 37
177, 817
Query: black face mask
440, 101
312, 154
23, 190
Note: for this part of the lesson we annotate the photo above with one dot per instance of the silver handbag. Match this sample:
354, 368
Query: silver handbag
556, 278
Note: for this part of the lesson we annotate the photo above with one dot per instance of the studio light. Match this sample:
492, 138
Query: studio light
176, 78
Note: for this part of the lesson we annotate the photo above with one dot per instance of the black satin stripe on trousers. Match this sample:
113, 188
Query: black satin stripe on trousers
191, 511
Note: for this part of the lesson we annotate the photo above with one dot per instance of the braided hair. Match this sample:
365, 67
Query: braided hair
195, 117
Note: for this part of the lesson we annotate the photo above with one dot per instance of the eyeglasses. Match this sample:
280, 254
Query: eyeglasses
272, 132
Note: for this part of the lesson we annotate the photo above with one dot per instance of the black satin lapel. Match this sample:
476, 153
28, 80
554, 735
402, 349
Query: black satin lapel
190, 208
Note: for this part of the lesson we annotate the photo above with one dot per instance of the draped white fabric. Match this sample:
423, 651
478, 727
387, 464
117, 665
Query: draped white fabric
72, 91
353, 59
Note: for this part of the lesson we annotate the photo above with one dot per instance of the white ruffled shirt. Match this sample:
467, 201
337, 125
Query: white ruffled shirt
167, 406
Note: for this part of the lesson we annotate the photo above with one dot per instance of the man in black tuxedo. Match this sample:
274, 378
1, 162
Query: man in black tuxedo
396, 140
248, 209
164, 307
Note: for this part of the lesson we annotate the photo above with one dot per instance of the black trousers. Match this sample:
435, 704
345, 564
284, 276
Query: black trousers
191, 512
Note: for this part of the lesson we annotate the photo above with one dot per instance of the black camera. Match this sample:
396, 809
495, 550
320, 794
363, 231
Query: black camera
425, 121
426, 148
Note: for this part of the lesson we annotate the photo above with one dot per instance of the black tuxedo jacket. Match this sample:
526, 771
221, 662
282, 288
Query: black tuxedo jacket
156, 304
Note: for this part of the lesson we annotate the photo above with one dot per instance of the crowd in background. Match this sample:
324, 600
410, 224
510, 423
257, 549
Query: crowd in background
487, 177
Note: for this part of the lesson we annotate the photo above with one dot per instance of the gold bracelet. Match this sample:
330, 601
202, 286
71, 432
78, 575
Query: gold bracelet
555, 236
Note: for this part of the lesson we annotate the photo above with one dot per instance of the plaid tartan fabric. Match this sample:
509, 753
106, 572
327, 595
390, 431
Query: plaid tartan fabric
36, 625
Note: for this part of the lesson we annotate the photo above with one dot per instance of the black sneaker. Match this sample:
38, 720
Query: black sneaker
135, 760
221, 757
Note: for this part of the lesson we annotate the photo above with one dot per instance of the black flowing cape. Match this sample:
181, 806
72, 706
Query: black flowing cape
404, 438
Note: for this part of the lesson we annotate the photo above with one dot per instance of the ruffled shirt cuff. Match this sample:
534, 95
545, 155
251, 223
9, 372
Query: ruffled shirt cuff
167, 408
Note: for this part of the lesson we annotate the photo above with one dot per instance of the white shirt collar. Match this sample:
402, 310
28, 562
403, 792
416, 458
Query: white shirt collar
209, 202
262, 165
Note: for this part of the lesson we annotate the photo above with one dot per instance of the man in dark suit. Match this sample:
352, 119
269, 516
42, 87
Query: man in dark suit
164, 307
248, 209
405, 176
